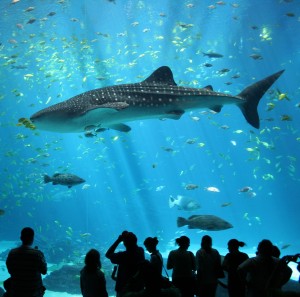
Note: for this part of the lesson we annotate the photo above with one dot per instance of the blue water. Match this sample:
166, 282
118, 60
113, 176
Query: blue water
130, 176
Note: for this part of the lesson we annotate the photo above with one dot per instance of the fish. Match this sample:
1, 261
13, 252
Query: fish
245, 189
212, 189
191, 187
64, 179
256, 56
184, 203
204, 222
212, 55
158, 96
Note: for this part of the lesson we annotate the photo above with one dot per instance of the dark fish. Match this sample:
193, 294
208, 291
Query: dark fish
212, 55
65, 179
204, 222
31, 21
290, 14
158, 97
19, 67
224, 70
52, 13
207, 65
256, 57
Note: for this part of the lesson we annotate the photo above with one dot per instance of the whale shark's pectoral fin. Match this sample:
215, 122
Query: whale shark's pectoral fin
120, 127
174, 114
209, 88
216, 108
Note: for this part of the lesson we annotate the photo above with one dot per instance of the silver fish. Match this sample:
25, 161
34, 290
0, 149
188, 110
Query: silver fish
184, 203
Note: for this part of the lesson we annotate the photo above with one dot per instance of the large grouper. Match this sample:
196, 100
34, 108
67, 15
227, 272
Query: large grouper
158, 96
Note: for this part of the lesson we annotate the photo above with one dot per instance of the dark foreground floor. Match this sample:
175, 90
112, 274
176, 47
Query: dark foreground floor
222, 292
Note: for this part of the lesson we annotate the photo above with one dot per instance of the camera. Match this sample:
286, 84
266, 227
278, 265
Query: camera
114, 273
293, 258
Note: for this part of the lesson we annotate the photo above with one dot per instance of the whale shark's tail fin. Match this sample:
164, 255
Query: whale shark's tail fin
252, 95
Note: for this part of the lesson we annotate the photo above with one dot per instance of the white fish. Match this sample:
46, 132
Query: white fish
184, 203
212, 189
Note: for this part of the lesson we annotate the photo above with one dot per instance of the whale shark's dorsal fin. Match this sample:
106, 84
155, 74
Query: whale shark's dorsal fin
163, 76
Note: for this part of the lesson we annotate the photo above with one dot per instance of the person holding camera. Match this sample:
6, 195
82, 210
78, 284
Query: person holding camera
128, 261
25, 264
264, 274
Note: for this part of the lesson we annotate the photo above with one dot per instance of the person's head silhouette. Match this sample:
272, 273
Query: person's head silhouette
27, 236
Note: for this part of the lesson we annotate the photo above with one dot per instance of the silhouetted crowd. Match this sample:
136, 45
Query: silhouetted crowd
192, 274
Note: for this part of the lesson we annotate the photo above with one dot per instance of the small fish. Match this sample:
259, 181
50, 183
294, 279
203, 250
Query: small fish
184, 203
286, 117
85, 186
168, 149
2, 212
204, 222
191, 187
207, 65
285, 246
65, 179
52, 13
212, 189
30, 8
282, 96
225, 204
159, 188
27, 123
256, 56
19, 67
224, 70
191, 141
290, 14
212, 55
90, 134
84, 235
245, 189
31, 21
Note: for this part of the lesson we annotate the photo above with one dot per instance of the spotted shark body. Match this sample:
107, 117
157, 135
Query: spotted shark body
156, 97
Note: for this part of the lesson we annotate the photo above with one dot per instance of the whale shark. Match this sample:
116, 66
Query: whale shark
157, 97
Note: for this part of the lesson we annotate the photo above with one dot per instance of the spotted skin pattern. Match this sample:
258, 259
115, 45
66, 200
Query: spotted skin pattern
156, 97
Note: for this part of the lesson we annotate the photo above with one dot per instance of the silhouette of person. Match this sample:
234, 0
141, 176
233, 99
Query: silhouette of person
208, 263
276, 252
236, 288
25, 265
183, 264
92, 279
156, 258
128, 260
264, 272
151, 282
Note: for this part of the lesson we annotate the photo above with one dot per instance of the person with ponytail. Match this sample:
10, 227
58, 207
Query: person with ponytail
236, 288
